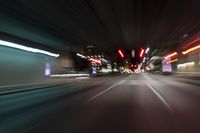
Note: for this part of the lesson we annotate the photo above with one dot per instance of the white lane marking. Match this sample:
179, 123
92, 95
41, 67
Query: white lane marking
160, 97
92, 98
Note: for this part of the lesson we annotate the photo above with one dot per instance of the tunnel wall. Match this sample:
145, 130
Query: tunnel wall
21, 67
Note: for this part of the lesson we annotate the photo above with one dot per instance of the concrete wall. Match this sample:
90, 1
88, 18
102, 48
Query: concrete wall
21, 67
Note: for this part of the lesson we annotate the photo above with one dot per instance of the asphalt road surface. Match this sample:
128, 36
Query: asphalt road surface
141, 103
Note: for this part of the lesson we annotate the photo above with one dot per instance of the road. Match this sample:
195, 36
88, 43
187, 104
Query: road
141, 103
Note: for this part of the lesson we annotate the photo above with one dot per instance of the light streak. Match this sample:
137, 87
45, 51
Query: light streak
171, 55
141, 53
121, 54
25, 48
95, 60
172, 61
191, 49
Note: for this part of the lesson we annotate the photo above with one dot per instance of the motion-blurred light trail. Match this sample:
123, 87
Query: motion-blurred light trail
186, 64
147, 50
70, 75
121, 54
142, 52
25, 48
172, 61
191, 49
82, 56
171, 55
95, 60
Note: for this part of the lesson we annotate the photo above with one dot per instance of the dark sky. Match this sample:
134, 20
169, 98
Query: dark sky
107, 24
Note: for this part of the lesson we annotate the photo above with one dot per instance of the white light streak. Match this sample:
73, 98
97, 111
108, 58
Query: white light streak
70, 75
82, 56
186, 64
147, 50
25, 48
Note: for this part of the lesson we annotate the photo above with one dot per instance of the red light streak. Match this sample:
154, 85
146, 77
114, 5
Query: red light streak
141, 53
191, 49
194, 41
95, 60
121, 54
171, 55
